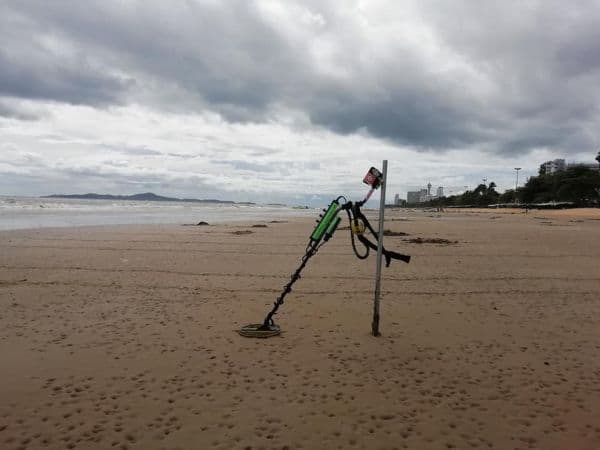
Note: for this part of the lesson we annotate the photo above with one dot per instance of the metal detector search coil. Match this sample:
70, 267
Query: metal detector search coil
259, 330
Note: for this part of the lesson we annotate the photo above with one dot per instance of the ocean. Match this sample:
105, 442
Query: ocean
31, 212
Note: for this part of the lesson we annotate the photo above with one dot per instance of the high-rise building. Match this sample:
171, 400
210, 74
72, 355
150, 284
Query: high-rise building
557, 165
413, 197
397, 200
423, 195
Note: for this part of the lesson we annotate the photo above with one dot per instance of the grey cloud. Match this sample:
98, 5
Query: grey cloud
116, 163
245, 165
109, 175
181, 155
38, 61
258, 150
27, 173
509, 77
14, 111
223, 55
53, 138
279, 167
47, 79
140, 151
132, 150
411, 117
19, 159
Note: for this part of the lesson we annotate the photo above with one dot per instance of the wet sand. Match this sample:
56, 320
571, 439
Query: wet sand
123, 337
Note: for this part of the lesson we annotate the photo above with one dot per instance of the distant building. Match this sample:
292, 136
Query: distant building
424, 195
413, 196
397, 200
557, 165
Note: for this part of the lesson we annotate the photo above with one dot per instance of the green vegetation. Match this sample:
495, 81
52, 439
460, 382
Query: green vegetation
577, 185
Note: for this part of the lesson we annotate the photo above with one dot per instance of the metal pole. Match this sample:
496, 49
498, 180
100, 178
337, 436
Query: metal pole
375, 324
516, 182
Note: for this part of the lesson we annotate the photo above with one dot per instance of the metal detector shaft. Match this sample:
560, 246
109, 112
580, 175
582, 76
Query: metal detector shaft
288, 287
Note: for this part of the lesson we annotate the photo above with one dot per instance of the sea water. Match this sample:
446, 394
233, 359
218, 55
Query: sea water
31, 212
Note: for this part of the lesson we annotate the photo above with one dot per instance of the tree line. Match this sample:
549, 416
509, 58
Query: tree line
578, 185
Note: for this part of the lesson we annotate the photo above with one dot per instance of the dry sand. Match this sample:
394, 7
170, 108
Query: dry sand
123, 337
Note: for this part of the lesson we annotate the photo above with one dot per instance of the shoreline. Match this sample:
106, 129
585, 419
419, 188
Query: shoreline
159, 214
567, 212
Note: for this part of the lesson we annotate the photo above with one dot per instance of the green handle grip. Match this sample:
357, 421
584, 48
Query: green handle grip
325, 221
332, 227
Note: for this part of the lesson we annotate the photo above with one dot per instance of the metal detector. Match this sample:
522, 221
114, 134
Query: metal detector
327, 224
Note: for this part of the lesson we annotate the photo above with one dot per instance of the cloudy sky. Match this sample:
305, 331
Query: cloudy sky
293, 100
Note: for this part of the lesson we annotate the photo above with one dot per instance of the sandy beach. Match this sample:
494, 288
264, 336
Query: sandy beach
124, 336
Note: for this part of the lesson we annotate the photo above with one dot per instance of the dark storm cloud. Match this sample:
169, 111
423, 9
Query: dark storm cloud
223, 56
505, 77
417, 118
39, 61
45, 80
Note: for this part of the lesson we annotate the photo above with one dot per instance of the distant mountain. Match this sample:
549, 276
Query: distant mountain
146, 197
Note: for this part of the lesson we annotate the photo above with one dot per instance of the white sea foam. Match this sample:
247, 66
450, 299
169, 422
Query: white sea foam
31, 212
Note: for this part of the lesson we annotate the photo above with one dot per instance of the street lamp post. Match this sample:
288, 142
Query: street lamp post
516, 182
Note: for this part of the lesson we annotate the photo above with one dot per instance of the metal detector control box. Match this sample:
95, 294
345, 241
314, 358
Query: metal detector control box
373, 178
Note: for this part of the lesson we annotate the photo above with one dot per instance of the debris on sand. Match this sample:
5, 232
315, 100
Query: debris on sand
240, 232
259, 225
420, 240
394, 233
201, 223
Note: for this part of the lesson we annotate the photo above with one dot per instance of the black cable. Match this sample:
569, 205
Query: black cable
358, 255
388, 254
